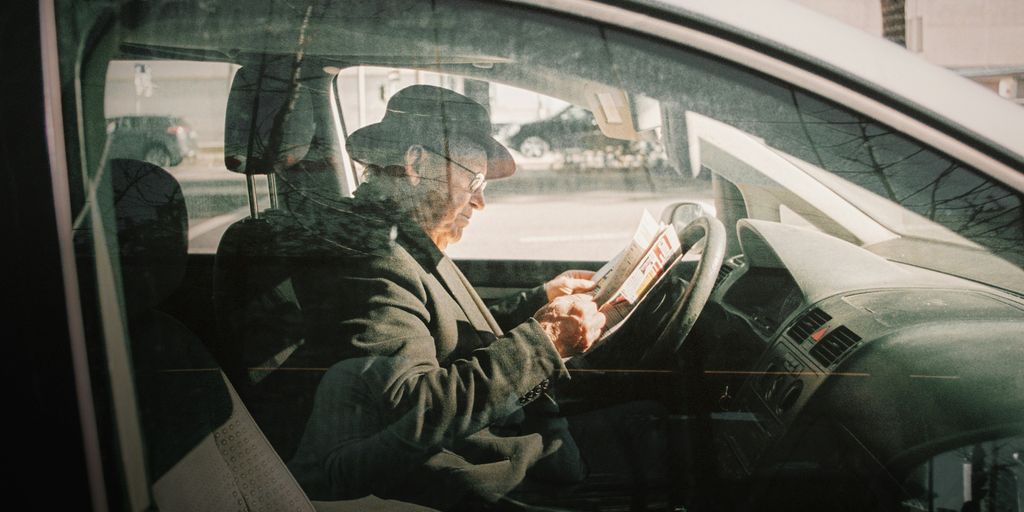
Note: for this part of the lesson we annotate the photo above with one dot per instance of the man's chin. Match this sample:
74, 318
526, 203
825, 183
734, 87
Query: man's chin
454, 235
444, 238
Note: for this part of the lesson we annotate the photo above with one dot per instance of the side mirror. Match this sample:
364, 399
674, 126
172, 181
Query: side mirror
683, 213
680, 215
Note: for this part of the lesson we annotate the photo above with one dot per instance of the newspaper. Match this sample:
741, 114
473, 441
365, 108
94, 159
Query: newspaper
624, 280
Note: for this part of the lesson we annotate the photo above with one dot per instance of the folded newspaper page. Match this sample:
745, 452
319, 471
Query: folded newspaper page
611, 276
624, 280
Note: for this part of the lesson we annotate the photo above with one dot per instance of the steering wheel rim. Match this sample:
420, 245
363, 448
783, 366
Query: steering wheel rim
674, 325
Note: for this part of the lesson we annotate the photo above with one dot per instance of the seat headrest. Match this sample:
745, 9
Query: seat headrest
152, 231
270, 122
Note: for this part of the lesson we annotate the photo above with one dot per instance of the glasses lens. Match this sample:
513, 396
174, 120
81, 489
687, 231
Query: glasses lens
478, 184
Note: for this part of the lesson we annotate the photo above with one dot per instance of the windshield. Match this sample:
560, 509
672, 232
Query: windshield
869, 219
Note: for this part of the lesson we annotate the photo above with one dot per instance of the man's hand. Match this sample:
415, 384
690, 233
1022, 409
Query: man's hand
572, 322
568, 283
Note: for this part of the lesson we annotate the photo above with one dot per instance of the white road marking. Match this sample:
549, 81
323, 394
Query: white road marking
622, 235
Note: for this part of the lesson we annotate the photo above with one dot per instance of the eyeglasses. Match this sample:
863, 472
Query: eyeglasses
479, 182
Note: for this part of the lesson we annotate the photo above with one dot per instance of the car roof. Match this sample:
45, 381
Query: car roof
865, 61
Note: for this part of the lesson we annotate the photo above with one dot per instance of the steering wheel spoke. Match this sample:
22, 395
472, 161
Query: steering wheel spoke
672, 307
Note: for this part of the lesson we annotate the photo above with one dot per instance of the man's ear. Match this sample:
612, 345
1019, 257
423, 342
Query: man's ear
414, 157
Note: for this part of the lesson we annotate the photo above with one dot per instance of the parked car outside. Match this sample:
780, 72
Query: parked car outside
574, 134
162, 140
574, 128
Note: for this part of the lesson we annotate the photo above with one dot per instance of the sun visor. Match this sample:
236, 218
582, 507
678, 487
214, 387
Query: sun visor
269, 125
620, 116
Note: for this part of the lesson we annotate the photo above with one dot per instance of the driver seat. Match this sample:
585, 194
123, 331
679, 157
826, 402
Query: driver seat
272, 128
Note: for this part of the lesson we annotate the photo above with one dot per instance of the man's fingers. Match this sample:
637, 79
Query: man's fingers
582, 305
594, 328
568, 283
577, 285
591, 319
573, 322
580, 274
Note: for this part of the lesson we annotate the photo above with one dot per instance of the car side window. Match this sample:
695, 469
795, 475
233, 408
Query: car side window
578, 194
171, 113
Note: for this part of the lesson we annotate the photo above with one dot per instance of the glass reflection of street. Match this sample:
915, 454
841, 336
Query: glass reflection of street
532, 216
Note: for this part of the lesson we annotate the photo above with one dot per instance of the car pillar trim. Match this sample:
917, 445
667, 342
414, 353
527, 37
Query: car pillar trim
69, 273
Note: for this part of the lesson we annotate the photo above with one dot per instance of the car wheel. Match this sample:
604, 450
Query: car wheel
534, 147
157, 155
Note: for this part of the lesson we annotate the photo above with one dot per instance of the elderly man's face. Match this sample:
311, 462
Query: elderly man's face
448, 199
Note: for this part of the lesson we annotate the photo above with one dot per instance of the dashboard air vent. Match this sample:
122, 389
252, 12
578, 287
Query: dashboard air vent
834, 345
722, 274
807, 324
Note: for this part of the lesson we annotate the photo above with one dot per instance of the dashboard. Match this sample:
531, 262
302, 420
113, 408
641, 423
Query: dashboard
817, 347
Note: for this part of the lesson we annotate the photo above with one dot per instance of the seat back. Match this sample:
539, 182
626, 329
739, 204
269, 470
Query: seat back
272, 128
203, 449
269, 126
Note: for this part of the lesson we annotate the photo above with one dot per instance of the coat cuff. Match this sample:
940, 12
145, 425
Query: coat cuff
539, 365
536, 298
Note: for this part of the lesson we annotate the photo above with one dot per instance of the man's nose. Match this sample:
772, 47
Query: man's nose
477, 200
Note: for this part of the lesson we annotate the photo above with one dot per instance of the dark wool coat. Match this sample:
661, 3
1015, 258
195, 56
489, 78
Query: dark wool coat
425, 399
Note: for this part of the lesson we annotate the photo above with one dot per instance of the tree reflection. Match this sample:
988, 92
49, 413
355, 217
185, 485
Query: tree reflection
901, 170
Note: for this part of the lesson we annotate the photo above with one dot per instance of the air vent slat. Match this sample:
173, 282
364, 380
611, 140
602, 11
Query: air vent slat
723, 273
836, 344
827, 351
807, 324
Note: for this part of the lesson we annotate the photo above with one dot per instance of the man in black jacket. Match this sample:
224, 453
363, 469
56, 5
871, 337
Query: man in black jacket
425, 402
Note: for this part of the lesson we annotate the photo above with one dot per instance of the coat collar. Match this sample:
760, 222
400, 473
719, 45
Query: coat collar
373, 200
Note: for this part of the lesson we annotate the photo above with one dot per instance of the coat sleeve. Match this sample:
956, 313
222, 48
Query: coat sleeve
390, 325
518, 308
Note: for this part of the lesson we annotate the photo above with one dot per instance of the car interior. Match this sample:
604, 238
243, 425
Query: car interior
843, 330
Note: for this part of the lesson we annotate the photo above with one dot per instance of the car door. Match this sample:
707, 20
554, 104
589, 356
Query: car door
717, 436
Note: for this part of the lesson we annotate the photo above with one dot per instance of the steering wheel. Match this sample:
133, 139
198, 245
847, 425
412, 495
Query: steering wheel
673, 305
670, 309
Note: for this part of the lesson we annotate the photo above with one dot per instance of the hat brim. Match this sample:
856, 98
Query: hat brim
380, 144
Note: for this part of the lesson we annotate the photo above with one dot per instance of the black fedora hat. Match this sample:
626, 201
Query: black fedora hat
428, 115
